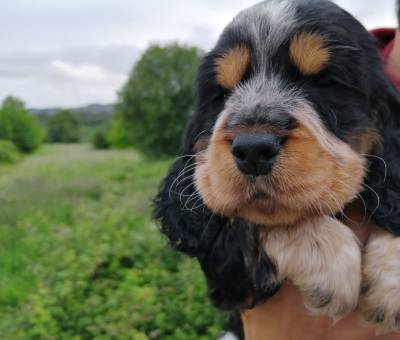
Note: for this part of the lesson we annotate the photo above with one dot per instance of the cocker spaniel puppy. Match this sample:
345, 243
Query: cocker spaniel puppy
294, 120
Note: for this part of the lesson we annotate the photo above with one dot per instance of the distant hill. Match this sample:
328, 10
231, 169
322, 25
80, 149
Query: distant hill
103, 109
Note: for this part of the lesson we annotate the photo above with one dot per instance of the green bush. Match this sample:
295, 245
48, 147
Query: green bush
118, 134
99, 139
117, 294
63, 127
8, 152
81, 259
19, 126
158, 97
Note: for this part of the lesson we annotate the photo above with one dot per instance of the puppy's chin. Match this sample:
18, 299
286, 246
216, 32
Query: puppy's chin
306, 181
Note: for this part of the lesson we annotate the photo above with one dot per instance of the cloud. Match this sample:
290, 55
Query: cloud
72, 52
83, 72
372, 13
66, 77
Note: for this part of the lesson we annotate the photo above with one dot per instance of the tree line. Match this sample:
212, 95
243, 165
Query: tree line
150, 114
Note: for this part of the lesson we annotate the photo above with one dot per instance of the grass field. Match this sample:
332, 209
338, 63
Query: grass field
80, 257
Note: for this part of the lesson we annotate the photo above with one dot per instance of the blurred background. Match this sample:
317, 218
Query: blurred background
94, 96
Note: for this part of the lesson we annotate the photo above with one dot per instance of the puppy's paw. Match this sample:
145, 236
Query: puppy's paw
323, 259
381, 282
338, 289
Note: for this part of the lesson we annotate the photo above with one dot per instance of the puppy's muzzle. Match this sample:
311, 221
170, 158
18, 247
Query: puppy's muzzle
255, 154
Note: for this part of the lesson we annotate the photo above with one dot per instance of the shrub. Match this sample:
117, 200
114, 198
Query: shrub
63, 127
80, 258
152, 293
8, 152
118, 134
155, 102
99, 140
19, 126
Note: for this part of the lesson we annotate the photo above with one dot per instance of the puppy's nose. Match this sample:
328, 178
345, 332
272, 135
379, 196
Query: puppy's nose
255, 154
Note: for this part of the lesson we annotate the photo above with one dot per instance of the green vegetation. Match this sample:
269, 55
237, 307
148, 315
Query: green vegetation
100, 140
92, 123
8, 152
19, 126
156, 100
63, 127
80, 257
118, 135
91, 118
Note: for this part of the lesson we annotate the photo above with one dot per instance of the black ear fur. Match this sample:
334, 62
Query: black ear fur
183, 217
382, 193
238, 272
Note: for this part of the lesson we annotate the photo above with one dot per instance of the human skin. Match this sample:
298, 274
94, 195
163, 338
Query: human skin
393, 62
283, 317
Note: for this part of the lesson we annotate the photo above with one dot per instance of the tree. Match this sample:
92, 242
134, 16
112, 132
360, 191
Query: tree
19, 126
63, 127
156, 100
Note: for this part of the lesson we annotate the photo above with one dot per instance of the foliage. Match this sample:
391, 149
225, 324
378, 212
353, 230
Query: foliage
81, 259
8, 152
19, 126
118, 134
99, 139
89, 121
63, 127
155, 102
93, 119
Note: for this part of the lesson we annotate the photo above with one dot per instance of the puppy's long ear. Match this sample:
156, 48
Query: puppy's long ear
178, 207
237, 271
382, 192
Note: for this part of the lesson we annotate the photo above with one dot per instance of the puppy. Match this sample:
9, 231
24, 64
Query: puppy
294, 120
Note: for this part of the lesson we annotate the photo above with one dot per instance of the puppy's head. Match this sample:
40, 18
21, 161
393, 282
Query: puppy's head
287, 97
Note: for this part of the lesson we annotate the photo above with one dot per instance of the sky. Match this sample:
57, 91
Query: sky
68, 53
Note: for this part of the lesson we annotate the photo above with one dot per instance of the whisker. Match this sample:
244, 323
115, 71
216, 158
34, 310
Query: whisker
195, 195
181, 178
184, 156
185, 169
383, 161
183, 190
338, 205
202, 133
196, 205
360, 197
365, 206
377, 196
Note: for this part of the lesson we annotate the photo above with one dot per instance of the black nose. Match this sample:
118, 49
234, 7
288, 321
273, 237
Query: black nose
255, 154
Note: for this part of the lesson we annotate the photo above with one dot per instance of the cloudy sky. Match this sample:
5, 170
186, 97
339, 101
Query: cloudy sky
76, 52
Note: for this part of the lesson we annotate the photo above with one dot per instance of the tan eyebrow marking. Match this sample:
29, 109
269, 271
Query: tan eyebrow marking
309, 53
231, 67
